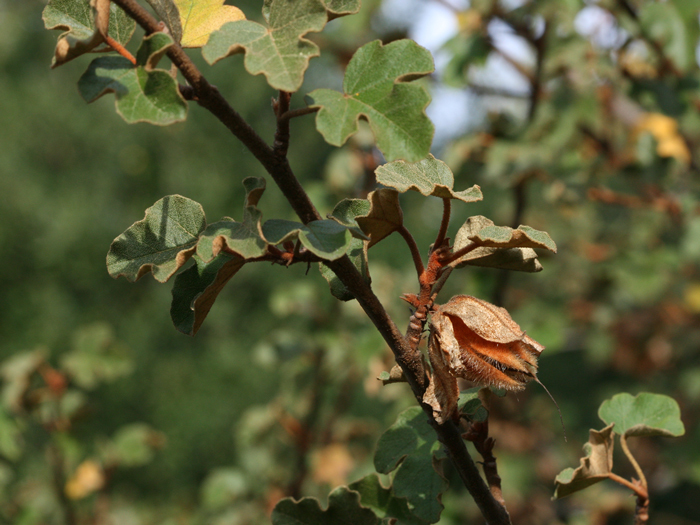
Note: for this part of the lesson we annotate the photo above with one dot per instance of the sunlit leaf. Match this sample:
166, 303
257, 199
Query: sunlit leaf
159, 243
377, 87
595, 466
327, 239
430, 176
77, 18
643, 415
278, 51
200, 18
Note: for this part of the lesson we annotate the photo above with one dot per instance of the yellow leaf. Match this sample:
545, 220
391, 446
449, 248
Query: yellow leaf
88, 478
332, 464
200, 18
692, 297
665, 130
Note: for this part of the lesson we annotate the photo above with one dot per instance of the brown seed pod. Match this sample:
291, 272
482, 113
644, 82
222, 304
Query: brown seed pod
478, 341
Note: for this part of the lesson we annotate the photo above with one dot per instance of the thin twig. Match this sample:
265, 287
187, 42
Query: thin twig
637, 489
478, 433
444, 223
630, 457
293, 113
281, 106
415, 252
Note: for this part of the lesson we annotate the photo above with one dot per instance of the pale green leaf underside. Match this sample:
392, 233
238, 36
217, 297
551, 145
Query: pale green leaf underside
505, 237
327, 238
278, 51
238, 238
643, 415
376, 88
383, 502
141, 95
196, 289
429, 176
159, 243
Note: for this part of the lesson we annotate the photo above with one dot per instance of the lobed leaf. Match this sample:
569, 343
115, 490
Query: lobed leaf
327, 239
429, 176
409, 445
383, 502
344, 508
595, 466
242, 239
200, 18
376, 88
338, 8
505, 237
168, 12
279, 51
152, 49
141, 95
643, 415
77, 18
160, 243
346, 213
518, 259
196, 289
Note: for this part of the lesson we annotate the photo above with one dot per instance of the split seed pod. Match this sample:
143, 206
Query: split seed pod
478, 341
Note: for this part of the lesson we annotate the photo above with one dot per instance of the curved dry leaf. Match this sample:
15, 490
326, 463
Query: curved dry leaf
479, 341
595, 466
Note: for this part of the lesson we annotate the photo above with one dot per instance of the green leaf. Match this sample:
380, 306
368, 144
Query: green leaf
643, 415
430, 176
665, 26
133, 445
196, 289
357, 252
595, 466
159, 243
376, 87
409, 445
346, 213
279, 51
16, 373
327, 238
76, 17
96, 357
343, 509
383, 502
338, 8
141, 95
152, 50
470, 404
384, 217
505, 237
519, 259
10, 437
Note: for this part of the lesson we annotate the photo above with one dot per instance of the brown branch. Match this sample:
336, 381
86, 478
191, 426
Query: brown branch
478, 433
444, 224
409, 360
281, 106
415, 252
293, 113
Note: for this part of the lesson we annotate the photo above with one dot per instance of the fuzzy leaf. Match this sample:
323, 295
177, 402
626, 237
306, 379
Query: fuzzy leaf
409, 445
327, 238
376, 87
344, 508
77, 18
383, 502
152, 50
200, 18
346, 213
595, 466
141, 95
384, 217
519, 259
338, 8
168, 12
505, 237
196, 289
279, 51
643, 415
159, 243
430, 176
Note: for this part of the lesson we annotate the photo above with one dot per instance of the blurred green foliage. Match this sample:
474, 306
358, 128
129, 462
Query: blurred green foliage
276, 395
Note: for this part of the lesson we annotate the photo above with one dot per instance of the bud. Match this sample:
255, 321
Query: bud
478, 341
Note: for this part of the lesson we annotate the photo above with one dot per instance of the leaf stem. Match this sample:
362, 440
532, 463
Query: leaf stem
293, 113
415, 252
455, 256
630, 457
442, 232
637, 489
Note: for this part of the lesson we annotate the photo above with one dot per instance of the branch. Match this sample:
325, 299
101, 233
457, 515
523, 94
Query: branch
415, 252
281, 106
442, 232
293, 113
278, 167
